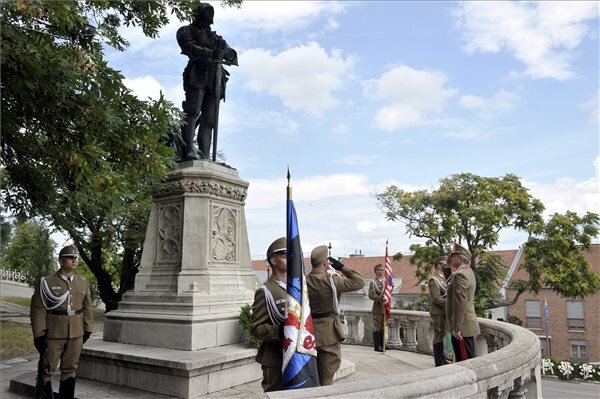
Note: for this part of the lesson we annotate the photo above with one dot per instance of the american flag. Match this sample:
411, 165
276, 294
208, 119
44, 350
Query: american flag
389, 284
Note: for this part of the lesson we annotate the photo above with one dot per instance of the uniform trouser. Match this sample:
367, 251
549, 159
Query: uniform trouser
271, 378
464, 349
66, 350
438, 323
377, 322
329, 358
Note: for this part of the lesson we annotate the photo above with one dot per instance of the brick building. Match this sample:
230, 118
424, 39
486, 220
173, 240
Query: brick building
574, 327
574, 323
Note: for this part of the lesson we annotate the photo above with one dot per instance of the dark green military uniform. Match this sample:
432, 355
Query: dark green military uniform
460, 309
437, 311
63, 330
376, 288
266, 328
329, 331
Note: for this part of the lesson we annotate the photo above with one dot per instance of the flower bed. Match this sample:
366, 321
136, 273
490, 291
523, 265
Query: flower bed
566, 370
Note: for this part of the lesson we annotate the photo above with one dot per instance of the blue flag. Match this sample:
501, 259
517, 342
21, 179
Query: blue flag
299, 367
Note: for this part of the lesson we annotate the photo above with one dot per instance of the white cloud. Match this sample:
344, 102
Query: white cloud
341, 129
303, 77
337, 208
593, 106
501, 102
357, 159
569, 194
144, 87
271, 16
542, 35
235, 117
414, 94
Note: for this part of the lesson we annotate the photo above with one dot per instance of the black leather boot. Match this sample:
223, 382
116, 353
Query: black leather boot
378, 339
48, 392
67, 389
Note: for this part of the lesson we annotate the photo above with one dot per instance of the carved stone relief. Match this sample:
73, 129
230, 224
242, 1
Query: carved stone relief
169, 233
219, 189
223, 234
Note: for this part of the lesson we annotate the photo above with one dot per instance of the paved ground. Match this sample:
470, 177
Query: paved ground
12, 289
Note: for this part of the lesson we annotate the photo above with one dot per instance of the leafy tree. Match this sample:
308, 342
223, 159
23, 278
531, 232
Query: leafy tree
30, 251
78, 147
554, 255
473, 210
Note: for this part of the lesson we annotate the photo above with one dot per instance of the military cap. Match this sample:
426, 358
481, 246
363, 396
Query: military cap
319, 255
68, 251
441, 259
378, 266
459, 249
279, 245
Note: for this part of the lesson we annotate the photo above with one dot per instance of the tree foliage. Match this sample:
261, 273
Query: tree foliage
78, 147
30, 250
473, 210
554, 255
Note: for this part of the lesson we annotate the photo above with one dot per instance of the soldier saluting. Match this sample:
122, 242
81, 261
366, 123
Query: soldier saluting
62, 321
204, 80
460, 309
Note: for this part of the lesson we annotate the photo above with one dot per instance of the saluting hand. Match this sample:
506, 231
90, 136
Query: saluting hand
337, 265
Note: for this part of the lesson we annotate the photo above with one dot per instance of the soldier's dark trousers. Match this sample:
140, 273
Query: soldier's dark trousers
271, 378
465, 349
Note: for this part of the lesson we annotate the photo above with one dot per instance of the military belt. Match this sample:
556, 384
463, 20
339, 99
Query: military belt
323, 315
62, 312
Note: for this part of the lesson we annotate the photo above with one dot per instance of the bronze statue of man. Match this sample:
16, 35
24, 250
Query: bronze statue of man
204, 80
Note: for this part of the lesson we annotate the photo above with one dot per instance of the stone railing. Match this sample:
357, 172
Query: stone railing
507, 363
13, 275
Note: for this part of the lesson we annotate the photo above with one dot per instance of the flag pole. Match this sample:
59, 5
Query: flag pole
385, 320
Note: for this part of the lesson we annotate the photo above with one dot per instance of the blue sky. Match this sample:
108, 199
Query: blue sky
355, 96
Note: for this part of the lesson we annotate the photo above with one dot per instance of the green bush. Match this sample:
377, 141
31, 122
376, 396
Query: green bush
246, 323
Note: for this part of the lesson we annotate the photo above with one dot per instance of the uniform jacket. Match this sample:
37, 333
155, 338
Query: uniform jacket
270, 353
437, 292
376, 295
63, 326
329, 330
460, 311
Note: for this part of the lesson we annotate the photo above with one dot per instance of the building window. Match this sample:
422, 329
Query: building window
578, 351
575, 315
533, 315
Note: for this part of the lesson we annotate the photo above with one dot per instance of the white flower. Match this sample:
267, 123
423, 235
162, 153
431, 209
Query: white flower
547, 366
565, 368
587, 371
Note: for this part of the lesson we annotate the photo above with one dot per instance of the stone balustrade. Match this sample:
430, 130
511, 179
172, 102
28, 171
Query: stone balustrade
13, 275
507, 363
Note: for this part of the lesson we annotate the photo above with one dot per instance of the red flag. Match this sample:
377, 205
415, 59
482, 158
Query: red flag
389, 284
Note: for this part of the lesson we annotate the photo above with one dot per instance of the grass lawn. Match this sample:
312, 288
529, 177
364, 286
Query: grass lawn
15, 339
17, 300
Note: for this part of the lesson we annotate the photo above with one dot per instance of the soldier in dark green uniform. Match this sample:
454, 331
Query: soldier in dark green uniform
323, 290
460, 309
268, 312
62, 321
376, 295
437, 310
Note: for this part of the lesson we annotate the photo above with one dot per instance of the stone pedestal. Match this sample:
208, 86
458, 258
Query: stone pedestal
194, 277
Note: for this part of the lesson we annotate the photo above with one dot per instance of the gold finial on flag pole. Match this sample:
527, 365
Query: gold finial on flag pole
289, 186
329, 248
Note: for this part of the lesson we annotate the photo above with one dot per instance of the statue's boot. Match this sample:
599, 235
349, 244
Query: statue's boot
187, 134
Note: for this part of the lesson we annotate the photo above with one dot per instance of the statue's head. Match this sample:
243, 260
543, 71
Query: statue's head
204, 14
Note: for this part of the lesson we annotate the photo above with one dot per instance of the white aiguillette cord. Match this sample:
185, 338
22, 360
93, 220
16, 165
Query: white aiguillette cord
46, 293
